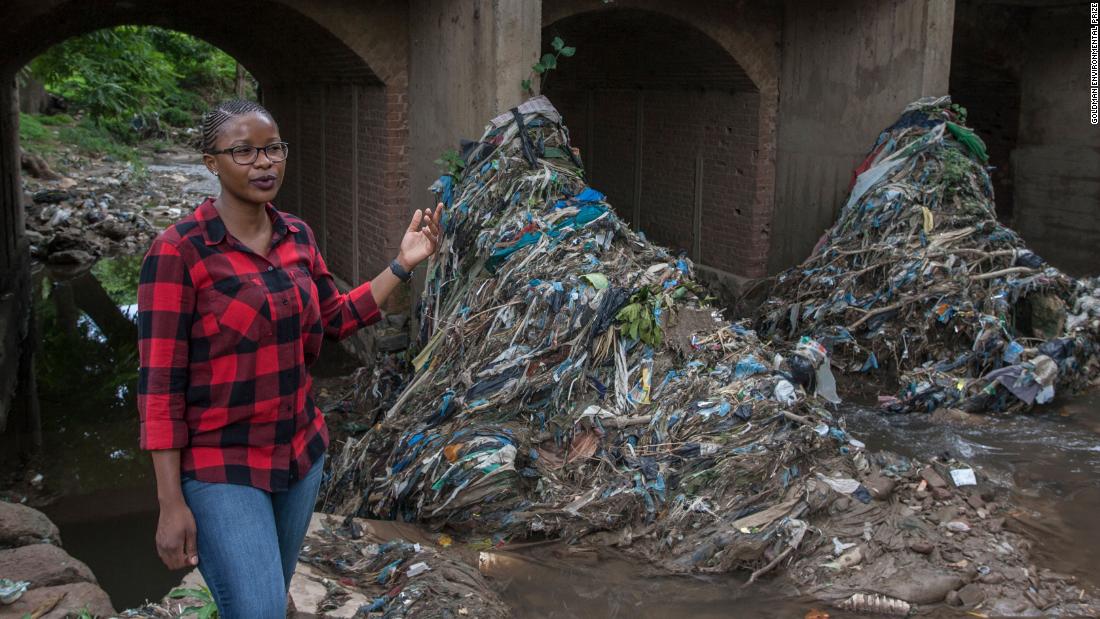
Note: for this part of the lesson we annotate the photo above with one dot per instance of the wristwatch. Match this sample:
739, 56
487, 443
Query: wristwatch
399, 271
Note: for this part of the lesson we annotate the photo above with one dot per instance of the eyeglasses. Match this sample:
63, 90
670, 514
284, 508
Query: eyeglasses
247, 155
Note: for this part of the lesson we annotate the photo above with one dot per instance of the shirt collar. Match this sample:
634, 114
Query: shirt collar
213, 228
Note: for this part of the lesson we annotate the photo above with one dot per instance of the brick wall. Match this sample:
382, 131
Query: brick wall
346, 176
669, 128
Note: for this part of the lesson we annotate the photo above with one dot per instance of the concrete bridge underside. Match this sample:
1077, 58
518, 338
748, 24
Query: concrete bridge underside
726, 129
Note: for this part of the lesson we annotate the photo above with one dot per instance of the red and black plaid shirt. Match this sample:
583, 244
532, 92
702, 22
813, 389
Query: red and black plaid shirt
226, 338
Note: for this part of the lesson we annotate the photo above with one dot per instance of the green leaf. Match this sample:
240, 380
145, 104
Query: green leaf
180, 592
526, 85
557, 44
539, 68
568, 51
550, 61
598, 280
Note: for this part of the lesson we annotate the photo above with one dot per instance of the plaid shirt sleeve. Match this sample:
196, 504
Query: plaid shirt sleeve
166, 301
342, 314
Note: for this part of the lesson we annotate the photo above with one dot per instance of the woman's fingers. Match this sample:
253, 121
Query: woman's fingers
414, 225
190, 548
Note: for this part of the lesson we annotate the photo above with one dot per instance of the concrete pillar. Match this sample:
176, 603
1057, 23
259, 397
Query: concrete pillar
848, 69
467, 59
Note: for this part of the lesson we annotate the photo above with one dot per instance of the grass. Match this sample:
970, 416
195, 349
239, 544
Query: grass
32, 129
46, 134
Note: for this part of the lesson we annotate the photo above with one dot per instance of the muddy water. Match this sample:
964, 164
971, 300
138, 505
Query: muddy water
1051, 462
98, 486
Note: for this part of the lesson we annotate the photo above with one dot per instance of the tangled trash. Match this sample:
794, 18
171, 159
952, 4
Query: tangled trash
572, 380
392, 578
573, 383
917, 279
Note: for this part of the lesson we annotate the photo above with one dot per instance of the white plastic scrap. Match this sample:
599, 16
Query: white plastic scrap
417, 569
963, 477
843, 485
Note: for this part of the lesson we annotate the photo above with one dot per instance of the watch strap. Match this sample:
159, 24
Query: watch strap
399, 271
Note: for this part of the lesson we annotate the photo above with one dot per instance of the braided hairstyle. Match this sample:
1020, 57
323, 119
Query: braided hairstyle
213, 120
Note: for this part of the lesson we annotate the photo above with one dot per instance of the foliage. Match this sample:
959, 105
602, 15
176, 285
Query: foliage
451, 163
208, 609
119, 278
117, 75
639, 319
111, 73
549, 62
92, 139
31, 129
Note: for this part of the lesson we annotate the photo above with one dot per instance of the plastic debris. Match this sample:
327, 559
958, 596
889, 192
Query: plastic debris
918, 281
876, 604
12, 590
547, 401
963, 477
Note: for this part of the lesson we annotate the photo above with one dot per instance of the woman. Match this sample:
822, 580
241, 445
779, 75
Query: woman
233, 302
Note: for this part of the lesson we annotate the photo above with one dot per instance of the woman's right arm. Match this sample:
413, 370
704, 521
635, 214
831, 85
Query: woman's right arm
166, 303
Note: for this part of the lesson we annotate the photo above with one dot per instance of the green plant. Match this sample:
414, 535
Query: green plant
548, 63
450, 162
638, 318
91, 139
56, 120
118, 74
207, 610
31, 129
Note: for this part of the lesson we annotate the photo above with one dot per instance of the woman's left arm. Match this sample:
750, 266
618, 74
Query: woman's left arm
344, 314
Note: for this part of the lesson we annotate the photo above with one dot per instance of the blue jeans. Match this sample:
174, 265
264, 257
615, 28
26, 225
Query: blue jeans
248, 541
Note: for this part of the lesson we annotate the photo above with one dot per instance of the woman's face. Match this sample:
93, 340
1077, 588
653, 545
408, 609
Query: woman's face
259, 181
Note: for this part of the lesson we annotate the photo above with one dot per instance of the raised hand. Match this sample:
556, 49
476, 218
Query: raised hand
421, 239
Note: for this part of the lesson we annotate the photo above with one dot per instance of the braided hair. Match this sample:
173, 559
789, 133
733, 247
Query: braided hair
213, 120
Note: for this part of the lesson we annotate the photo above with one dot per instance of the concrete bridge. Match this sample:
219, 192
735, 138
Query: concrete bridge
728, 128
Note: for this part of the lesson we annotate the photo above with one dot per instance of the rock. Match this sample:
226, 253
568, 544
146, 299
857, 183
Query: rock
391, 342
880, 486
398, 320
971, 595
941, 494
21, 525
70, 256
921, 586
50, 196
114, 230
992, 578
945, 514
34, 237
69, 600
933, 478
1048, 315
43, 565
952, 598
923, 548
37, 167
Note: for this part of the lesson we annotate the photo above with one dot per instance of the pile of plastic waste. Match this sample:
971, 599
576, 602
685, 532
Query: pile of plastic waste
573, 383
918, 280
572, 380
393, 578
